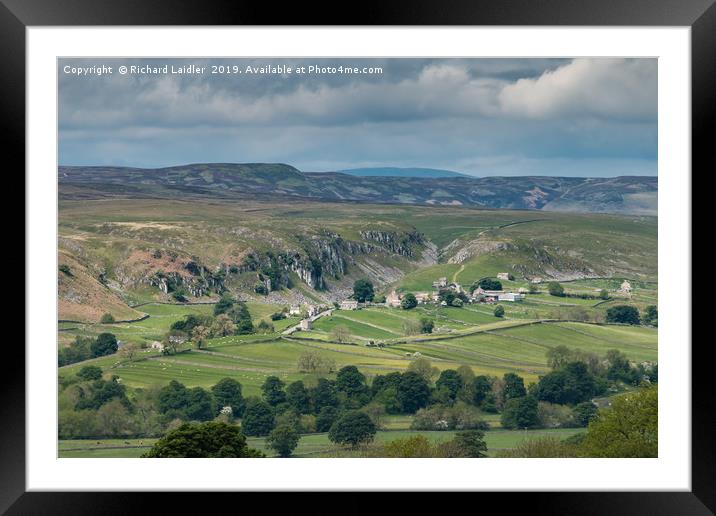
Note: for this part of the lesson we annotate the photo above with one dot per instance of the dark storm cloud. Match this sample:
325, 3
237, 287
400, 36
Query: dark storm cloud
481, 116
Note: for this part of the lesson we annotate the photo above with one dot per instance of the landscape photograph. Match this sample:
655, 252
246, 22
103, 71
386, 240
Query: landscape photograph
357, 258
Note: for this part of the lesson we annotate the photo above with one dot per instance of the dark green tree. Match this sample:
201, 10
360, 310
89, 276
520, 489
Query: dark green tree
224, 305
412, 392
105, 344
470, 443
297, 397
426, 325
227, 393
499, 311
325, 394
489, 284
352, 428
651, 315
450, 382
326, 417
258, 418
520, 413
409, 301
273, 392
585, 412
352, 384
481, 387
283, 440
90, 373
570, 385
173, 400
514, 386
202, 440
555, 289
624, 314
201, 406
363, 291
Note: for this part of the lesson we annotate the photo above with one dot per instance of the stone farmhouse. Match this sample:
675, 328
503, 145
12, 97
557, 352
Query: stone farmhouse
349, 304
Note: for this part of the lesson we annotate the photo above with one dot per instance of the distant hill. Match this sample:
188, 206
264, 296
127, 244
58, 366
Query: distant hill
401, 172
632, 195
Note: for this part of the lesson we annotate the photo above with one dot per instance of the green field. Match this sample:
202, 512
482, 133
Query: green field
468, 336
310, 445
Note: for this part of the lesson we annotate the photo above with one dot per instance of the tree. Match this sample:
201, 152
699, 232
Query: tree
514, 386
326, 417
227, 393
412, 392
409, 301
424, 368
272, 390
481, 388
129, 351
224, 305
200, 406
555, 289
206, 440
412, 327
427, 325
585, 413
470, 443
258, 418
363, 291
558, 356
264, 327
628, 429
351, 382
520, 413
105, 344
417, 446
173, 400
106, 318
457, 302
313, 362
624, 314
340, 334
352, 428
570, 385
283, 440
450, 382
651, 315
90, 372
199, 335
489, 284
223, 326
324, 394
499, 311
297, 397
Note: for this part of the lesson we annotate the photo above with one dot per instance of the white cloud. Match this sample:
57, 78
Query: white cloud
616, 88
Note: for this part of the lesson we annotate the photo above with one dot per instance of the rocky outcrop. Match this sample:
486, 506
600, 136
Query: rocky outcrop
402, 244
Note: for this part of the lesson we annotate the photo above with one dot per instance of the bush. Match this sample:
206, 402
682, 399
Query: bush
555, 289
499, 311
283, 440
542, 447
65, 269
277, 316
106, 319
258, 418
520, 413
457, 302
427, 325
408, 302
105, 344
624, 314
206, 440
352, 428
489, 284
88, 373
555, 416
264, 327
440, 417
629, 428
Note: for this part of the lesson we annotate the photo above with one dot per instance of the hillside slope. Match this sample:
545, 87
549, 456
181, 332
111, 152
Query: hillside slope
634, 195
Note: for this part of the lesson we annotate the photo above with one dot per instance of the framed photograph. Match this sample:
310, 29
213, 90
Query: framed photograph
418, 252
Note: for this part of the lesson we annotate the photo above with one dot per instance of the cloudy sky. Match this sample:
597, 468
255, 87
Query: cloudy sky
567, 117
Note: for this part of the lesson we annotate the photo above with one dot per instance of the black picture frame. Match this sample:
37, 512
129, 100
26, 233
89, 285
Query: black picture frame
700, 15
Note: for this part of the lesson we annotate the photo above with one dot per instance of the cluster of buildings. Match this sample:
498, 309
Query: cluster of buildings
479, 295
